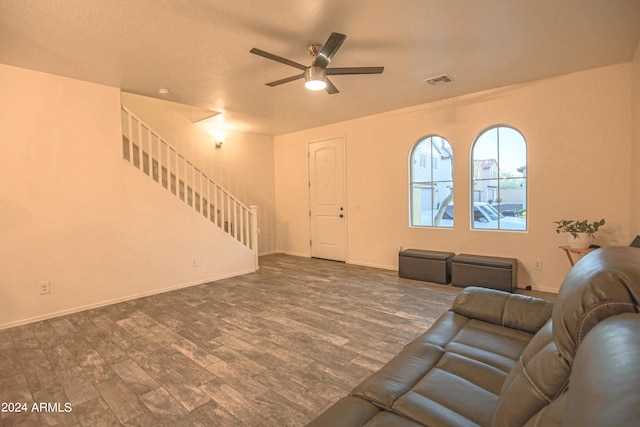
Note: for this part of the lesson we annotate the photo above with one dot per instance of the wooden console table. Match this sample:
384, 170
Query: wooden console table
569, 250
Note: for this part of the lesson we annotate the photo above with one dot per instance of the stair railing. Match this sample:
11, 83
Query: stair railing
147, 151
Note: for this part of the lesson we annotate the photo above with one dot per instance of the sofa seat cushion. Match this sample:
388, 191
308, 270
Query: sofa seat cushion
457, 391
450, 375
493, 345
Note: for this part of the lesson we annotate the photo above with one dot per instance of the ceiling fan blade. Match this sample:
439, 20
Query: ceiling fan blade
331, 89
277, 58
329, 49
285, 80
354, 70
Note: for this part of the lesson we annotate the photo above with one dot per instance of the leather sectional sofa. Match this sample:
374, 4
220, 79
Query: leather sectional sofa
499, 359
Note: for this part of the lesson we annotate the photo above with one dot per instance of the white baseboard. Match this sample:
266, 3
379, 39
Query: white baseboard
119, 300
296, 254
368, 264
269, 253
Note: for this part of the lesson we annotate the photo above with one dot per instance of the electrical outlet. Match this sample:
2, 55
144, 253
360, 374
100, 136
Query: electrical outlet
537, 264
45, 287
194, 262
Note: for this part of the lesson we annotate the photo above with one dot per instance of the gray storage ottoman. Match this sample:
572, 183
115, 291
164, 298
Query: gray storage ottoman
488, 272
429, 266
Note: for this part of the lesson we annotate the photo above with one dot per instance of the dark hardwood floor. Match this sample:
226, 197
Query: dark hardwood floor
271, 348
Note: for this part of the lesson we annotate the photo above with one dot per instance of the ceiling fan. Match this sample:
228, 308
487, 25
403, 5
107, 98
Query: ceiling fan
315, 75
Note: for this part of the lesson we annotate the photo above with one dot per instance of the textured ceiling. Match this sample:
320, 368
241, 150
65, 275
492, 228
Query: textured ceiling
199, 49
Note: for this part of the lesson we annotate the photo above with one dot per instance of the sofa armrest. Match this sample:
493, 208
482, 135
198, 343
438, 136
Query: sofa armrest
515, 311
603, 389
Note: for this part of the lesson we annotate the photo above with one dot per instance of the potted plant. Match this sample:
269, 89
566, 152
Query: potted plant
578, 232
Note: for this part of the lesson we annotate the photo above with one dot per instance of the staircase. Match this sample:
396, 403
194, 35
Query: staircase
143, 148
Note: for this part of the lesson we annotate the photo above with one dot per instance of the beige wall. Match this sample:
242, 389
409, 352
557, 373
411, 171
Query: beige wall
578, 130
635, 105
244, 164
74, 213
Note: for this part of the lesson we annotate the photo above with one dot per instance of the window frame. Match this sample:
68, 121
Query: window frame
498, 179
432, 183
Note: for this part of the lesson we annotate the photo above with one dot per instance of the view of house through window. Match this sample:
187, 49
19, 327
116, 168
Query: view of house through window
499, 180
431, 183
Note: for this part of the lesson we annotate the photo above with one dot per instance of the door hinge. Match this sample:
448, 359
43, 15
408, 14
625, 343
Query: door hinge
310, 242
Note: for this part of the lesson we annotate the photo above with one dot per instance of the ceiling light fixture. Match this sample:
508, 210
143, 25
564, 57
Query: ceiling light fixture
315, 78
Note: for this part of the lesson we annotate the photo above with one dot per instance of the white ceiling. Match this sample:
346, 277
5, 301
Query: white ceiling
199, 49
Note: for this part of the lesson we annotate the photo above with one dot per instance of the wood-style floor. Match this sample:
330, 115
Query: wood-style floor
272, 348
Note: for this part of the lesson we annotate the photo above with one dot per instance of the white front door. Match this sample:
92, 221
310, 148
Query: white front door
327, 208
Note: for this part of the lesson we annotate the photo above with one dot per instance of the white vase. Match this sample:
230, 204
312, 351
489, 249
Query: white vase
581, 241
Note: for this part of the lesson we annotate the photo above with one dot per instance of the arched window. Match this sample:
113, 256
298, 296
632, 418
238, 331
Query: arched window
431, 183
499, 180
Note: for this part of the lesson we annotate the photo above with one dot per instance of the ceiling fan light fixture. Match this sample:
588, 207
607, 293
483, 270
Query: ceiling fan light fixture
315, 78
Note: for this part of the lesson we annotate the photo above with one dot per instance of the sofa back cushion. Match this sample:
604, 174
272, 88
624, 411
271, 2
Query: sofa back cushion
604, 283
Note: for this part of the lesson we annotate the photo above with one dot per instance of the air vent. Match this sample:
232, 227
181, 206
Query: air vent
437, 80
